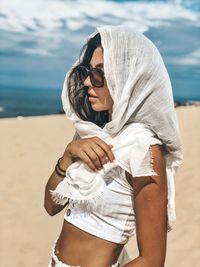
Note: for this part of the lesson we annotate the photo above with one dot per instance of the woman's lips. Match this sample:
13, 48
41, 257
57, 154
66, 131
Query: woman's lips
92, 95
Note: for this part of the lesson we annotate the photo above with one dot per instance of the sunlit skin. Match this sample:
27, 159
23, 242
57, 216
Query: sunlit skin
76, 246
102, 100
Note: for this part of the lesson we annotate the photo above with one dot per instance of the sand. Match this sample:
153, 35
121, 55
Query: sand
29, 150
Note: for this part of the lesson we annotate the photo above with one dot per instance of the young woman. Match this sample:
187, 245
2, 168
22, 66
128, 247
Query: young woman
116, 176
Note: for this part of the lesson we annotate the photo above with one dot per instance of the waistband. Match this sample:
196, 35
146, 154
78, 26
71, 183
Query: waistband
55, 262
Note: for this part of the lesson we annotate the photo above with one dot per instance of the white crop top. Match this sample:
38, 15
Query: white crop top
113, 217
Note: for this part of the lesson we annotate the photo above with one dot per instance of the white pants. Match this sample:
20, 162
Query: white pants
55, 262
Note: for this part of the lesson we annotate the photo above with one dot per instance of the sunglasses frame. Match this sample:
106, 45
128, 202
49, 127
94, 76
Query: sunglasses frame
89, 73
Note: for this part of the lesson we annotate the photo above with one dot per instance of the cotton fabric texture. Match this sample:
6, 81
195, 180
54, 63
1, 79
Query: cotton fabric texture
143, 109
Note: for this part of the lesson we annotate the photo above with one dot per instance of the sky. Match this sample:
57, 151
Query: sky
41, 39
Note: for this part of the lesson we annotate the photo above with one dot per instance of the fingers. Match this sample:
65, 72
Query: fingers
85, 158
93, 151
97, 155
105, 147
94, 157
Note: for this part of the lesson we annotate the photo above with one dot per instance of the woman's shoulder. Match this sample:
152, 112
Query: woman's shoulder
158, 158
158, 164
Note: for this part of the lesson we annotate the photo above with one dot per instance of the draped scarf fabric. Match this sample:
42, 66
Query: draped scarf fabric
143, 114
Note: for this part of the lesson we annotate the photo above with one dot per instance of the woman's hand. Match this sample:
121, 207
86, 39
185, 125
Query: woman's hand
93, 151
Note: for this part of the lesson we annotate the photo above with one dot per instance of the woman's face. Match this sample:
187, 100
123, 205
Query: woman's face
100, 97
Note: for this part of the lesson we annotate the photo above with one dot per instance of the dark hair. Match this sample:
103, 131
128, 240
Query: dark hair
78, 92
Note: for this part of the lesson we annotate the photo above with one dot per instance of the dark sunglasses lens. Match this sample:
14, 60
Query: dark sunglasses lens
97, 77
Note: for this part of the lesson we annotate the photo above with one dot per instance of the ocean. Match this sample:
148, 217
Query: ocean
40, 40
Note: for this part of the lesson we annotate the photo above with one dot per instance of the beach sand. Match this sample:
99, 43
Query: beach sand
30, 148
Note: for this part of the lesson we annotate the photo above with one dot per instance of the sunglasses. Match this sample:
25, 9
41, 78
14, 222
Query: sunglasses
96, 75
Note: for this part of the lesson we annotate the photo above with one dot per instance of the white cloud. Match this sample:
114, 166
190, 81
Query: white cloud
46, 17
1, 109
190, 59
42, 19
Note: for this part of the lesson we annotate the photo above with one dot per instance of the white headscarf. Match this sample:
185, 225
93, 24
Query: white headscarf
143, 111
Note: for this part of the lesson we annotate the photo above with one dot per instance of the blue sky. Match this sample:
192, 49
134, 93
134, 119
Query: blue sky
41, 39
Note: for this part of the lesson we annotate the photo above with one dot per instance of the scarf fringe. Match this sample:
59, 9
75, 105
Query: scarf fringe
58, 198
86, 204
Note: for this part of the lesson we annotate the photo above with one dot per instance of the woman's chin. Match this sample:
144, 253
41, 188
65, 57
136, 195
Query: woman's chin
97, 107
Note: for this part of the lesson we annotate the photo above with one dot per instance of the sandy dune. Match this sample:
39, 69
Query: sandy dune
29, 150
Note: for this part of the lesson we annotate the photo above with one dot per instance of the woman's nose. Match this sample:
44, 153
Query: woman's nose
87, 82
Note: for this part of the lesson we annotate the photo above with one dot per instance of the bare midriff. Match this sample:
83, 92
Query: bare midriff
78, 248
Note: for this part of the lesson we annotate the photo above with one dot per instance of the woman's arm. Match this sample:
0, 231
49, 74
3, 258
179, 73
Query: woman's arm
150, 205
51, 207
92, 151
